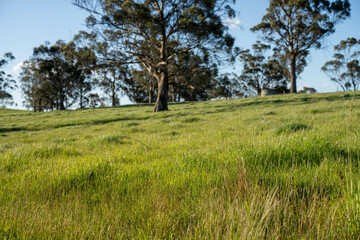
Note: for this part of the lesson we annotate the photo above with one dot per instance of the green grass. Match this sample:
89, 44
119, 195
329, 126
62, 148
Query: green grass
280, 167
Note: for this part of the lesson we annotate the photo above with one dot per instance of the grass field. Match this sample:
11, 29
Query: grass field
281, 167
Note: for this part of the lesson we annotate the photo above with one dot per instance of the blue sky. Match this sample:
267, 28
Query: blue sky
25, 24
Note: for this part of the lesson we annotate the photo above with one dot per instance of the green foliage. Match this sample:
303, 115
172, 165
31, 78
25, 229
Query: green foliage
276, 167
295, 26
152, 34
344, 70
260, 72
57, 76
6, 82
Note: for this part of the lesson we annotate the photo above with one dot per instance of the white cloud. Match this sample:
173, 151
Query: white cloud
234, 23
325, 85
17, 67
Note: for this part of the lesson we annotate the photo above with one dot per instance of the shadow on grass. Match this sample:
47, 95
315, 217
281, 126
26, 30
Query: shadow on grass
72, 124
15, 129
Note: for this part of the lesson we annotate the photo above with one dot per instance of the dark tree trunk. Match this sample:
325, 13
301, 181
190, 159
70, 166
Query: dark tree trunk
113, 94
172, 94
293, 74
81, 97
163, 78
62, 106
258, 91
34, 104
163, 89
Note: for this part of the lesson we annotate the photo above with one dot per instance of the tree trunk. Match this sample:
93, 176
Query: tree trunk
163, 78
258, 91
81, 97
34, 104
163, 89
62, 106
113, 94
150, 93
293, 74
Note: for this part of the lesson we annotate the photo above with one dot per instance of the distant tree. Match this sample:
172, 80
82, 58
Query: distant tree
7, 83
151, 33
260, 71
344, 69
111, 68
95, 100
111, 71
228, 86
191, 77
55, 72
140, 86
296, 26
57, 76
38, 91
82, 61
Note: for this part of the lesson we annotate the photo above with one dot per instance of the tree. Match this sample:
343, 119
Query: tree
57, 76
95, 100
151, 33
191, 77
82, 61
6, 81
38, 92
296, 26
140, 86
228, 86
344, 69
111, 72
260, 71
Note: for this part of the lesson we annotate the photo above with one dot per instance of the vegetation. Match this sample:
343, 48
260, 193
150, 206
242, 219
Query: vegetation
153, 33
260, 72
344, 70
7, 83
278, 167
296, 26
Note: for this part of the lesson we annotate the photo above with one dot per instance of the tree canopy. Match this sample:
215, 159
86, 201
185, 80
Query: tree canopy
56, 76
152, 33
260, 71
344, 69
7, 83
295, 26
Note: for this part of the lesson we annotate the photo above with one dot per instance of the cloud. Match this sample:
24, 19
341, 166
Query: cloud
17, 67
234, 23
325, 85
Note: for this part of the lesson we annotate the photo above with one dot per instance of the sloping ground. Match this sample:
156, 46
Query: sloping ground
276, 167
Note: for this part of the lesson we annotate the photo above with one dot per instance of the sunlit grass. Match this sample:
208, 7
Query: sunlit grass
276, 167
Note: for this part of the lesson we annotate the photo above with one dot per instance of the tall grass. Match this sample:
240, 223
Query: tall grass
282, 167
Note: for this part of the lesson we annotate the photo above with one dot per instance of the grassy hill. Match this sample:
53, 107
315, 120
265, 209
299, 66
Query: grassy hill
277, 167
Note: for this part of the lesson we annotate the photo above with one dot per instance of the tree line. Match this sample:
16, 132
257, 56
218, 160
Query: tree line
172, 50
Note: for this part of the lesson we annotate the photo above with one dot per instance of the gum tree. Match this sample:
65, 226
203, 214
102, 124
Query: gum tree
153, 32
344, 69
6, 81
296, 26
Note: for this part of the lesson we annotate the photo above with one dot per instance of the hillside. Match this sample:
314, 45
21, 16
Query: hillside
276, 167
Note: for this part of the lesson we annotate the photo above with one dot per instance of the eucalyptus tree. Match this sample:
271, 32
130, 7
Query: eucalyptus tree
140, 86
296, 26
344, 69
261, 70
111, 71
57, 76
7, 83
191, 77
151, 33
82, 62
54, 72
